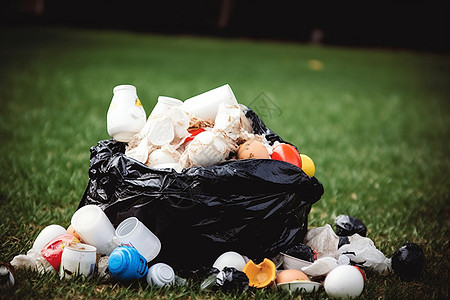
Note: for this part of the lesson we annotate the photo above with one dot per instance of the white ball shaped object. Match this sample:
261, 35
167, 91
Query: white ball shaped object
230, 259
344, 282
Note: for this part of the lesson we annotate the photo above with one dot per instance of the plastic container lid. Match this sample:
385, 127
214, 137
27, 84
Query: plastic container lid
117, 262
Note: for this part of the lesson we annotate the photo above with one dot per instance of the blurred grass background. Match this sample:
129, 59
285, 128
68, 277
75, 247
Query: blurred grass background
375, 122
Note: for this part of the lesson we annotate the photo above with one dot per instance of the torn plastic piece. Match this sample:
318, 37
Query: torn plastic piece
347, 225
408, 261
320, 267
323, 240
362, 252
231, 280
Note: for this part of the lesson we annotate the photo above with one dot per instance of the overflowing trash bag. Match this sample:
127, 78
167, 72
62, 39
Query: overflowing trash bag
254, 206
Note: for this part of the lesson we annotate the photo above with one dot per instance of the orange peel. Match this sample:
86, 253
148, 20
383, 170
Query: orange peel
261, 275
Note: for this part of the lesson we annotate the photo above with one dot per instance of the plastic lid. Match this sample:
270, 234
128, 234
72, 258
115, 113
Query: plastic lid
166, 273
117, 262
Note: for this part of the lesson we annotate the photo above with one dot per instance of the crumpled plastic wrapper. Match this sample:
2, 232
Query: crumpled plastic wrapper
32, 260
233, 123
102, 267
360, 250
323, 240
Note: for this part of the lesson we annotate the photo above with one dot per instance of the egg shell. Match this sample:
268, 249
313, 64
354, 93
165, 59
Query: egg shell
252, 149
344, 282
230, 259
291, 275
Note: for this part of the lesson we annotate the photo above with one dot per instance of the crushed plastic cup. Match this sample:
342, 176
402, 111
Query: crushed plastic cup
78, 259
228, 119
160, 130
207, 148
94, 228
160, 275
126, 115
132, 232
164, 104
206, 105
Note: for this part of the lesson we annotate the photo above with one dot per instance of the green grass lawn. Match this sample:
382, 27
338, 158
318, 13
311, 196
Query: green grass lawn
375, 121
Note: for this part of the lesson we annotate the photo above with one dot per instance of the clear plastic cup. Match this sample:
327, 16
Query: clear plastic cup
94, 228
206, 105
132, 232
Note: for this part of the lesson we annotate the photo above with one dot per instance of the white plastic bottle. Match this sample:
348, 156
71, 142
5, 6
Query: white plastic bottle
126, 115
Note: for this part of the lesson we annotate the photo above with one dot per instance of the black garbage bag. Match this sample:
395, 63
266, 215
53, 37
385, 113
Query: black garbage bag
348, 225
255, 207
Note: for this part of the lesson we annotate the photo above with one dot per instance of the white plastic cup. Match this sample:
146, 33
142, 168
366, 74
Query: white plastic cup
125, 116
205, 106
132, 232
164, 104
46, 235
160, 274
78, 258
94, 228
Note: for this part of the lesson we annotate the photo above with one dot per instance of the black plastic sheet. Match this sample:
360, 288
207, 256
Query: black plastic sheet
255, 207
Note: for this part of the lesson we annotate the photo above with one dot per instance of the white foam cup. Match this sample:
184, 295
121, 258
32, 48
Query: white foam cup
125, 116
94, 228
205, 106
78, 258
132, 232
160, 274
46, 235
164, 104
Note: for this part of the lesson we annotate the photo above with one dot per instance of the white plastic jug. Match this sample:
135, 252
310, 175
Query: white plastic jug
126, 115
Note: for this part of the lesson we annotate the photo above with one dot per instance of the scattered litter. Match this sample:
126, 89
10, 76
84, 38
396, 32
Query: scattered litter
204, 174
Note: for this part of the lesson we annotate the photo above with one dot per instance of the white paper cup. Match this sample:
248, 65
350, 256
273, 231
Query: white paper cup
46, 235
94, 228
77, 258
206, 105
132, 232
164, 104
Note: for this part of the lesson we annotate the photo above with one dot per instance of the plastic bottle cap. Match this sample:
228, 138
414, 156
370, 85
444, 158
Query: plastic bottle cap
117, 261
166, 274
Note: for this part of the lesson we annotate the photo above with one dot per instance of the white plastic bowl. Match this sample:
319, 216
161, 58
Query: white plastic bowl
290, 262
